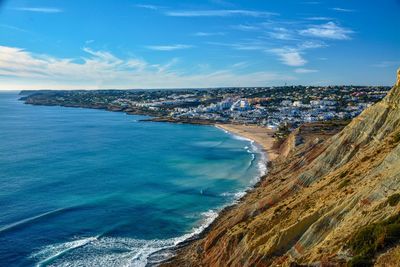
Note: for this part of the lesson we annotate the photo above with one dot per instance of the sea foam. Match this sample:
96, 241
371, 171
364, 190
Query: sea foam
113, 251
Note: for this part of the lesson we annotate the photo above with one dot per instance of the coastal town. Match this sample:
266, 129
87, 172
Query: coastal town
272, 107
200, 133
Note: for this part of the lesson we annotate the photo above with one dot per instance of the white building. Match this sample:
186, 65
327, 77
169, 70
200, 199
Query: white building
241, 105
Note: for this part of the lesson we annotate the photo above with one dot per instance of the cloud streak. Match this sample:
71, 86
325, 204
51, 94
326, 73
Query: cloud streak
21, 69
339, 9
304, 71
10, 27
289, 56
152, 7
169, 47
292, 56
319, 18
204, 34
328, 30
219, 13
245, 46
245, 27
40, 9
282, 33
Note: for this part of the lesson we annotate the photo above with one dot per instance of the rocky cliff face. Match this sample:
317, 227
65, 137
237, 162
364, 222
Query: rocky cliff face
314, 200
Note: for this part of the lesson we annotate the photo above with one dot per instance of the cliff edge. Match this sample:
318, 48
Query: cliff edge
318, 202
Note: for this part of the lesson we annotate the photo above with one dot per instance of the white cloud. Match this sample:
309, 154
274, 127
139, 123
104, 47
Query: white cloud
281, 33
241, 64
21, 69
152, 7
342, 9
327, 31
293, 56
135, 63
245, 27
165, 67
10, 27
204, 34
219, 13
311, 45
248, 46
168, 47
319, 18
39, 9
255, 45
304, 71
289, 56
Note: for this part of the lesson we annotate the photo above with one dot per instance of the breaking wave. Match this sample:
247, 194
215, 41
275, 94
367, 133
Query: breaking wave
113, 251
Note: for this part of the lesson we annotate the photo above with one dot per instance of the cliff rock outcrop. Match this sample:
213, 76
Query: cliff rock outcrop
398, 78
315, 199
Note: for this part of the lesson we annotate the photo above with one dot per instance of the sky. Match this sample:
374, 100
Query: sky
126, 44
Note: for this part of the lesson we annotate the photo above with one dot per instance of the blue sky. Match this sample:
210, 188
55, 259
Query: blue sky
171, 44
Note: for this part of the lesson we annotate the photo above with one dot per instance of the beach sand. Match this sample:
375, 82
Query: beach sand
262, 135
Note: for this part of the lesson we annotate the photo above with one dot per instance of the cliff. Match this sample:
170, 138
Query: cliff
330, 200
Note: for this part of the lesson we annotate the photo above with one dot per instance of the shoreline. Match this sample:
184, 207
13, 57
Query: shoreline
261, 135
263, 139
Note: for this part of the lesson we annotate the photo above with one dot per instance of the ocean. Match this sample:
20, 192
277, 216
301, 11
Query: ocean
85, 187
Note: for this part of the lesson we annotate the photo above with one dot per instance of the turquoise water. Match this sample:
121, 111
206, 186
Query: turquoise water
81, 187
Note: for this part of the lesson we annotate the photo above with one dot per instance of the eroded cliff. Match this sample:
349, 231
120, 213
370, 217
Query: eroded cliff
317, 196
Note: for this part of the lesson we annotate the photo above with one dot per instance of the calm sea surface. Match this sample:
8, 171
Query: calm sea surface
81, 187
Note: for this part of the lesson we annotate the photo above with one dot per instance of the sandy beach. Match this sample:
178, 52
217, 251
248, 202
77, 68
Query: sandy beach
262, 135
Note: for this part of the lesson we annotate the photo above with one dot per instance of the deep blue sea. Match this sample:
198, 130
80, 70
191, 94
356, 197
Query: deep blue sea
83, 187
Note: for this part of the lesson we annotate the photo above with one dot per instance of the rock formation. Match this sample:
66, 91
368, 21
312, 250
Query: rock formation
398, 78
314, 200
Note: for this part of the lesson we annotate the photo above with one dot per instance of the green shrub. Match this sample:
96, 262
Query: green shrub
344, 174
364, 241
371, 239
396, 138
393, 199
392, 235
360, 261
344, 183
366, 158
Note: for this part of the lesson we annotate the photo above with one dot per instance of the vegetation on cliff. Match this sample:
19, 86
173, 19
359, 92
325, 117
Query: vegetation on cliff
371, 239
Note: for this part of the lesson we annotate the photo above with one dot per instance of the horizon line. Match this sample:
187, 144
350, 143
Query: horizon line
191, 88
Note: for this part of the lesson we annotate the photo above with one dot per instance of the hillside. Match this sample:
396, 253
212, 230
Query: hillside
330, 201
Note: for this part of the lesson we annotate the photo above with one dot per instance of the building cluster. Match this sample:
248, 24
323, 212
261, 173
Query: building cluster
269, 106
292, 107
